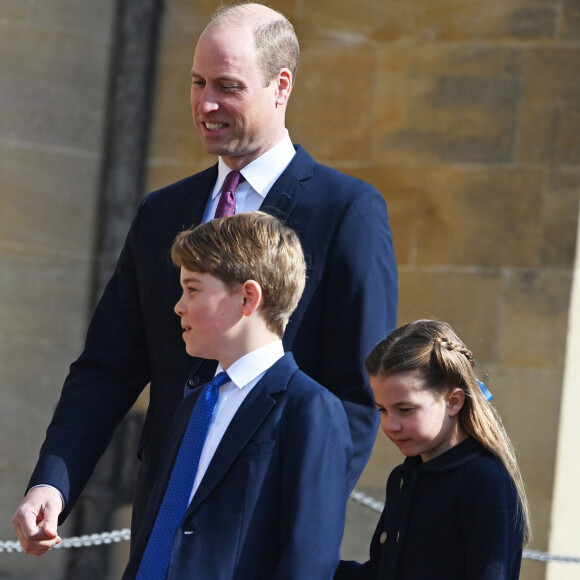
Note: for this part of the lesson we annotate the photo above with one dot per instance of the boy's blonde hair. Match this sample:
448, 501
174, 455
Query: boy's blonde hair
443, 362
249, 246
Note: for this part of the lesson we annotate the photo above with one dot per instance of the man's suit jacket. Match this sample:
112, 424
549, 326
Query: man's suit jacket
272, 502
349, 304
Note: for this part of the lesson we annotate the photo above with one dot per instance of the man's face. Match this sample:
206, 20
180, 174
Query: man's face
236, 115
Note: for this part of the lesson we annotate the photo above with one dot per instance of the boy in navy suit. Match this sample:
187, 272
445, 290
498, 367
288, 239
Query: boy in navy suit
269, 494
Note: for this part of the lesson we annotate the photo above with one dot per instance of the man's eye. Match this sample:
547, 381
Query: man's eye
406, 409
197, 83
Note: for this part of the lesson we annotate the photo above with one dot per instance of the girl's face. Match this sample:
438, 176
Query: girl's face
417, 420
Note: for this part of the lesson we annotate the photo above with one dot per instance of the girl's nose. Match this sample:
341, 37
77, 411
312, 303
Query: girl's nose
390, 425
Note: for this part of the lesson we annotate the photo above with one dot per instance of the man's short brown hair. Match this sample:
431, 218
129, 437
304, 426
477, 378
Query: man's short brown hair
249, 246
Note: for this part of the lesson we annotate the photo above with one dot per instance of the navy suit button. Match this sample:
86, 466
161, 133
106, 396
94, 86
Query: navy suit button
383, 538
193, 382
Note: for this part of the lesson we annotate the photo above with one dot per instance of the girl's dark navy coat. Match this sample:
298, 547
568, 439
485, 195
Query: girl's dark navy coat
455, 517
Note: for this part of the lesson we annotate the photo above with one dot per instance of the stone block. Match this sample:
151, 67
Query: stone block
467, 300
59, 316
82, 16
560, 213
570, 27
12, 11
525, 397
445, 103
550, 115
330, 126
383, 21
48, 201
534, 318
53, 87
174, 136
481, 217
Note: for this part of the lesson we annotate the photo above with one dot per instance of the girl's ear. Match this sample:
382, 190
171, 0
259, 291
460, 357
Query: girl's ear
455, 401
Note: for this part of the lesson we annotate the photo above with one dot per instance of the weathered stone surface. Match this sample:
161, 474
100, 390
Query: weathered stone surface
48, 201
468, 301
482, 217
424, 20
560, 214
12, 11
318, 106
53, 87
534, 317
550, 115
449, 103
524, 397
570, 27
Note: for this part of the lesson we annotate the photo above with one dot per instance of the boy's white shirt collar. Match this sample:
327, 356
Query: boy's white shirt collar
249, 367
262, 172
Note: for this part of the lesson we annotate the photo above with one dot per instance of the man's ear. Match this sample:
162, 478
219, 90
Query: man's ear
283, 86
251, 297
455, 401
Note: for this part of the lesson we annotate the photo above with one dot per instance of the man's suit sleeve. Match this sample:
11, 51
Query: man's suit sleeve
360, 309
101, 387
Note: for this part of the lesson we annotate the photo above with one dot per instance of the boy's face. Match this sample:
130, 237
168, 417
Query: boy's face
209, 313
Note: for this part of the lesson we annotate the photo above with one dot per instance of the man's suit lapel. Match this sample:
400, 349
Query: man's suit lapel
246, 422
196, 200
290, 187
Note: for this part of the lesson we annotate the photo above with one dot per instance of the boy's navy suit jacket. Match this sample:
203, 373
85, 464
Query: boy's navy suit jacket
349, 304
272, 502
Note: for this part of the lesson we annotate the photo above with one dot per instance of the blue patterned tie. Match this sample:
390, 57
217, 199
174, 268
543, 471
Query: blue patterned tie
155, 561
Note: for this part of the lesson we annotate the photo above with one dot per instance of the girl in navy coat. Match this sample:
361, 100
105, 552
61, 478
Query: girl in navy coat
456, 508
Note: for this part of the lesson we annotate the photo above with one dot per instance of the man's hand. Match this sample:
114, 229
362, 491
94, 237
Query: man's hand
36, 520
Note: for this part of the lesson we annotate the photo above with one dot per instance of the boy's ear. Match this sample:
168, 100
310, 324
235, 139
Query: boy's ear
455, 401
251, 297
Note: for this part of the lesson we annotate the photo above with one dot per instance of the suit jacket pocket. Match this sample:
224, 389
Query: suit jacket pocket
259, 448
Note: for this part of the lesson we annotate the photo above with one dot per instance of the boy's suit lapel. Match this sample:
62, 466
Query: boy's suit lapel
246, 422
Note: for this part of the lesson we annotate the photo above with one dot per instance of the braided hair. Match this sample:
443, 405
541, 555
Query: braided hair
433, 350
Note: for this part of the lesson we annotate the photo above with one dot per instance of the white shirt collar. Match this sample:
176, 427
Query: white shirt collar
247, 368
264, 171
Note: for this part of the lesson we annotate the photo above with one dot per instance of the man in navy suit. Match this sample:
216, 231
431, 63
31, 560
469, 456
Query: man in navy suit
243, 70
269, 496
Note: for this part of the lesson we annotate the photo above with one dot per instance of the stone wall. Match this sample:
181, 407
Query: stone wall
54, 58
466, 116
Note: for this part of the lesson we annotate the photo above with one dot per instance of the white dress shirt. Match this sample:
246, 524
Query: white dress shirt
259, 177
244, 375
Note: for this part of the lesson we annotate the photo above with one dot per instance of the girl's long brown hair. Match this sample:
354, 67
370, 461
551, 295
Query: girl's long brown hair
443, 362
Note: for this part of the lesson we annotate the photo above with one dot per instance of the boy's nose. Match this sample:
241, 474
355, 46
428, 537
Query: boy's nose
178, 308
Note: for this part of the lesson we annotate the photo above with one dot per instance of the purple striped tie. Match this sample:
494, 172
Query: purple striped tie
227, 203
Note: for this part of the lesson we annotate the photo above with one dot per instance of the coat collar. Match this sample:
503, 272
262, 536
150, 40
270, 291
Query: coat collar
246, 422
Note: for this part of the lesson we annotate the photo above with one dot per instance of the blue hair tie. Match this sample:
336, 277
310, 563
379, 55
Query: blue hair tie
488, 396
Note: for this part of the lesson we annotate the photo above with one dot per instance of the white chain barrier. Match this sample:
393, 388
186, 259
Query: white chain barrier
116, 536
